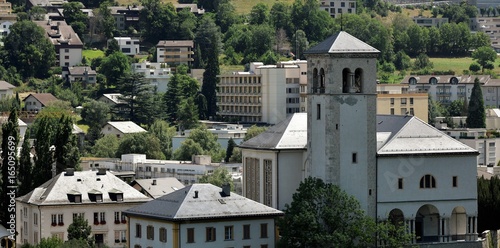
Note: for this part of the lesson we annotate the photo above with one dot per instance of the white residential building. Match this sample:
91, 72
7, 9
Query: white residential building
223, 131
175, 52
266, 94
157, 74
37, 101
120, 128
5, 28
202, 215
112, 99
98, 196
67, 44
338, 7
128, 45
397, 166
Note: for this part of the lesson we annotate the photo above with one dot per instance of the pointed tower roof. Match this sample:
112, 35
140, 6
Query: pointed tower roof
341, 42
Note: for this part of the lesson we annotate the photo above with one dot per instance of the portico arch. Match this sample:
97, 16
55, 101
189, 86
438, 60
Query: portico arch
458, 223
427, 224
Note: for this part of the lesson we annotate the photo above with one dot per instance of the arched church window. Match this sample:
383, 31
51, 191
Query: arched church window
346, 80
322, 81
315, 80
358, 80
427, 182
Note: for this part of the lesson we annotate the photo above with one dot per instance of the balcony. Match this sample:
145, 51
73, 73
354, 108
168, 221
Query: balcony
443, 93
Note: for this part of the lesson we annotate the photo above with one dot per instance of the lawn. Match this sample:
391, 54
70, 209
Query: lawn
92, 54
457, 64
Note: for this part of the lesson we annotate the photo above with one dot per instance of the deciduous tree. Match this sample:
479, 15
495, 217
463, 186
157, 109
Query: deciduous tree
80, 230
484, 55
219, 177
142, 143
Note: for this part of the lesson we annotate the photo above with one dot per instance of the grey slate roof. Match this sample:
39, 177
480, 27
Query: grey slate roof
396, 135
341, 42
80, 70
55, 191
126, 126
181, 205
162, 187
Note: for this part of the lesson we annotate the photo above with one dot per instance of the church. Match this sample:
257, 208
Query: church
397, 167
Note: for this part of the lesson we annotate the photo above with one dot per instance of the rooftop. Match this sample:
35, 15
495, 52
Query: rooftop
44, 98
342, 42
158, 187
126, 126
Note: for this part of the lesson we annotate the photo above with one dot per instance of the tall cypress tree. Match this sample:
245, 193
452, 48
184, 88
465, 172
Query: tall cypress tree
476, 117
10, 139
25, 167
230, 147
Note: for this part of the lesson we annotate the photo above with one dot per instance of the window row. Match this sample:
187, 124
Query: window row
240, 80
428, 182
210, 233
403, 101
240, 89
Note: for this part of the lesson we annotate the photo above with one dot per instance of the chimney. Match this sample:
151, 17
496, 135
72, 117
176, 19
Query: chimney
101, 171
69, 172
195, 194
226, 189
154, 182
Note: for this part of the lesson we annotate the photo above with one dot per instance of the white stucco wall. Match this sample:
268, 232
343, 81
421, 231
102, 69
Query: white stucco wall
290, 174
74, 56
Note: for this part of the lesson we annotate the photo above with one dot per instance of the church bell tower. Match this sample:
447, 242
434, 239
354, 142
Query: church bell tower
341, 107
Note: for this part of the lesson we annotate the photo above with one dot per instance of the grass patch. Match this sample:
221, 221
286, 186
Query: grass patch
458, 65
92, 54
227, 69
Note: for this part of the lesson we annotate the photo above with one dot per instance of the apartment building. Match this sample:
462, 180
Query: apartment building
175, 52
128, 45
429, 21
67, 44
157, 74
338, 7
265, 94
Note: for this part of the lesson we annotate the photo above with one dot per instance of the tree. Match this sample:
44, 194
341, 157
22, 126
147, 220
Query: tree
105, 20
187, 114
106, 146
474, 67
236, 157
476, 117
259, 14
484, 55
164, 133
219, 177
253, 131
142, 143
422, 61
402, 61
180, 86
157, 20
75, 17
80, 230
113, 67
280, 15
455, 108
434, 110
229, 150
95, 114
187, 149
27, 49
25, 177
323, 215
135, 92
37, 13
10, 139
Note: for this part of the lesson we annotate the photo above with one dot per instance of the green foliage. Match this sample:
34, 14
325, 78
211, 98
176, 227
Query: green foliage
105, 21
402, 61
106, 146
484, 55
422, 61
187, 114
113, 67
187, 149
476, 117
25, 177
229, 150
219, 177
164, 133
75, 17
207, 143
27, 49
79, 229
142, 143
157, 20
434, 110
136, 94
95, 114
474, 67
323, 215
253, 131
236, 156
259, 14
180, 87
52, 242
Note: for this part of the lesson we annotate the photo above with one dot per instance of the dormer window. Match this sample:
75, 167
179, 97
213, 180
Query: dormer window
95, 196
116, 195
75, 196
433, 81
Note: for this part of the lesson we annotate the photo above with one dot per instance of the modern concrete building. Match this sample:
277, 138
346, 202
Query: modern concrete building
98, 196
429, 21
224, 132
202, 215
157, 74
126, 16
265, 94
338, 7
128, 46
67, 44
398, 167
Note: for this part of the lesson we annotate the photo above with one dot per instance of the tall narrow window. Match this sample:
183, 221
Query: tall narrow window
190, 235
455, 181
400, 183
138, 231
318, 111
150, 232
163, 235
354, 157
210, 235
228, 233
263, 230
246, 231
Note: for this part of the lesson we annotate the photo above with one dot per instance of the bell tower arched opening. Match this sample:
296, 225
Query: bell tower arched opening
315, 81
322, 81
346, 80
358, 80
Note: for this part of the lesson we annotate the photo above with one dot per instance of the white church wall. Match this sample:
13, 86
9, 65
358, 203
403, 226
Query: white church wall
291, 164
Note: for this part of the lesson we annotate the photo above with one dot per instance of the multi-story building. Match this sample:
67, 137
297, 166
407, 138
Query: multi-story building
175, 52
98, 196
267, 93
126, 16
202, 215
157, 74
5, 29
5, 7
128, 45
398, 167
394, 99
430, 21
490, 26
337, 7
67, 44
224, 132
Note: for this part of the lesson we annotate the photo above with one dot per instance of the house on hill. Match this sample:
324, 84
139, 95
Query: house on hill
120, 128
202, 215
37, 101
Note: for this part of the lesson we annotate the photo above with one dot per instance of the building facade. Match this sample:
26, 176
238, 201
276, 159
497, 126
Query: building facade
98, 196
157, 74
338, 7
67, 44
415, 104
202, 215
128, 46
397, 166
267, 93
175, 52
